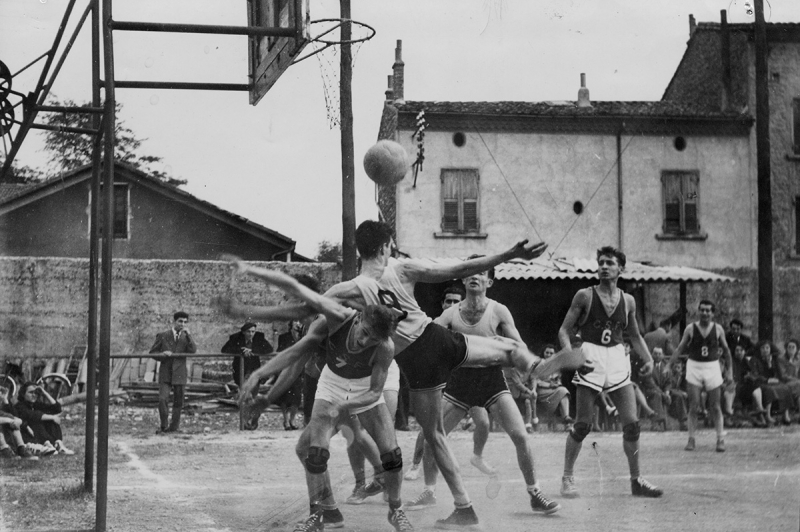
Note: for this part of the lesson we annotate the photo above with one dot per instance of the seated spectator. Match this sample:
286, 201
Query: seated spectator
656, 387
728, 394
10, 432
790, 367
636, 380
42, 415
549, 394
765, 373
524, 394
735, 337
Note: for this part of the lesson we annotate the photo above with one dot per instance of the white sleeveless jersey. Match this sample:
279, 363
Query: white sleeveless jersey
389, 291
487, 326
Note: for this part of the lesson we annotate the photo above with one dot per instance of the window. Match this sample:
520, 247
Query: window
121, 211
796, 226
796, 125
681, 199
460, 201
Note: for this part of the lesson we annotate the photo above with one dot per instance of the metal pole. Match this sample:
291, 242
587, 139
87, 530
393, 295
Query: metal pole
348, 165
180, 85
106, 274
682, 306
253, 31
94, 244
765, 318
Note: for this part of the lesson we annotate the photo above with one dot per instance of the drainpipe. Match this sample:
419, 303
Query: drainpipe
619, 185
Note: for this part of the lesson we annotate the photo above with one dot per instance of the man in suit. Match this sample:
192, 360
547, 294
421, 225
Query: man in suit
172, 374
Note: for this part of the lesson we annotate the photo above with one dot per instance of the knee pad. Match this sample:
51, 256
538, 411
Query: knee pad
580, 430
317, 460
393, 460
630, 432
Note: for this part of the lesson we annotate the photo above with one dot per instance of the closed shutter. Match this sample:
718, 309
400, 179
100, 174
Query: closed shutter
671, 184
469, 193
450, 189
690, 201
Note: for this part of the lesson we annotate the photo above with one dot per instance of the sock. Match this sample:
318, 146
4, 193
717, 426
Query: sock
463, 505
5, 447
532, 489
394, 505
432, 489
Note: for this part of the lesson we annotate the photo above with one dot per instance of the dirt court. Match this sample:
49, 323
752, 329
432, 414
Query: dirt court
251, 481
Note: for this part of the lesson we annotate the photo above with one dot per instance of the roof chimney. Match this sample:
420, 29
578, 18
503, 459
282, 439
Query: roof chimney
390, 90
583, 94
725, 46
398, 69
692, 25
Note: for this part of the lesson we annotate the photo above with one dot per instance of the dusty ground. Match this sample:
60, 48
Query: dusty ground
220, 479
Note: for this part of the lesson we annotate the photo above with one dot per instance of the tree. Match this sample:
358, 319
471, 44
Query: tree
67, 151
329, 252
21, 174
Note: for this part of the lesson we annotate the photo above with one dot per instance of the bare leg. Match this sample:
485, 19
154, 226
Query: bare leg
505, 409
694, 401
625, 400
715, 409
380, 426
481, 435
584, 409
427, 406
318, 434
451, 415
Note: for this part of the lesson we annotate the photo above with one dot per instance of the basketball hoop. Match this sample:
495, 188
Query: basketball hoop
325, 49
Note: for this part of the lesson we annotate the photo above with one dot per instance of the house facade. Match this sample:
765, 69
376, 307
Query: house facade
152, 220
670, 182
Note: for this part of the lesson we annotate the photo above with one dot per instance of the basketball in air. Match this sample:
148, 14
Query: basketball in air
386, 162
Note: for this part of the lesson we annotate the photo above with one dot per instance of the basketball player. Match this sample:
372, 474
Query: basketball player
427, 352
703, 340
484, 387
360, 351
602, 314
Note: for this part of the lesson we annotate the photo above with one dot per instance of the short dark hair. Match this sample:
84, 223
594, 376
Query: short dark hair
489, 272
549, 346
454, 289
611, 251
371, 236
248, 325
736, 321
791, 341
306, 280
180, 314
381, 319
707, 302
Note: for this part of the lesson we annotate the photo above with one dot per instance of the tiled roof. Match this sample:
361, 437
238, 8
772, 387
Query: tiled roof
553, 268
9, 191
654, 109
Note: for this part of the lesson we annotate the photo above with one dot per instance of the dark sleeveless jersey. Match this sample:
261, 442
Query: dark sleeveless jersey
704, 349
344, 362
602, 329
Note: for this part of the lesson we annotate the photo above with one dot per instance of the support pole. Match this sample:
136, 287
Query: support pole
765, 316
94, 260
682, 306
106, 274
348, 165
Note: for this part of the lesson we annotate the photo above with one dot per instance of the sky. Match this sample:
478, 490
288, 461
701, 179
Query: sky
279, 163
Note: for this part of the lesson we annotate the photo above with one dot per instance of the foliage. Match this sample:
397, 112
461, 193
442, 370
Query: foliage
22, 174
329, 252
67, 151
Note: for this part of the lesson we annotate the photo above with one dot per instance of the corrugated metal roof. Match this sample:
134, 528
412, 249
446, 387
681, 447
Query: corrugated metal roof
582, 268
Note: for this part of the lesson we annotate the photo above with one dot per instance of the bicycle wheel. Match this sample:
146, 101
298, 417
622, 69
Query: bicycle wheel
9, 384
56, 384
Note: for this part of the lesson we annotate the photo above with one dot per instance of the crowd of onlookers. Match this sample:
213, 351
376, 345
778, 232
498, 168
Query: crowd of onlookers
765, 390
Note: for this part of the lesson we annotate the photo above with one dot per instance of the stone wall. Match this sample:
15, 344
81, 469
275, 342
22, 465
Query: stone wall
734, 300
44, 302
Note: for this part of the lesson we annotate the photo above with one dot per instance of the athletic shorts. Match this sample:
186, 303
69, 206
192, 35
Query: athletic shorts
335, 389
612, 368
392, 378
468, 387
706, 375
429, 360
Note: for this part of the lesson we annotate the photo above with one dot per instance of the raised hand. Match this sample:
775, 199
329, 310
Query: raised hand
523, 250
239, 265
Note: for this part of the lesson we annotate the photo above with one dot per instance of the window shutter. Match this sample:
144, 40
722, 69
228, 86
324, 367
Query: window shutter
449, 201
671, 183
469, 194
120, 211
796, 128
690, 201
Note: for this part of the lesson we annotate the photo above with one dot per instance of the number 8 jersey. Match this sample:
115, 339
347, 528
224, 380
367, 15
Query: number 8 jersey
704, 348
602, 329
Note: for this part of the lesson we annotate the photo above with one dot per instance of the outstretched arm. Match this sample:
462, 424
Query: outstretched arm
229, 306
726, 353
637, 342
427, 272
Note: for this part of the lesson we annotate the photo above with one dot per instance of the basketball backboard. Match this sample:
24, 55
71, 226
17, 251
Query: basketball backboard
271, 56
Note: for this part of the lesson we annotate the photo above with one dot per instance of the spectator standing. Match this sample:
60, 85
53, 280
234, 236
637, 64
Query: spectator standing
172, 373
735, 337
250, 344
41, 417
291, 399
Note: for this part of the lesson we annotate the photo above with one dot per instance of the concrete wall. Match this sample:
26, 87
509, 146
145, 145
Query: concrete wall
540, 176
44, 302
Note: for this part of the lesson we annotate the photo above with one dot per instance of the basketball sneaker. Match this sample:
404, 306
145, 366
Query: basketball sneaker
6, 452
425, 499
460, 518
399, 521
485, 468
413, 473
375, 487
641, 488
540, 503
689, 445
357, 497
332, 518
568, 488
720, 445
312, 524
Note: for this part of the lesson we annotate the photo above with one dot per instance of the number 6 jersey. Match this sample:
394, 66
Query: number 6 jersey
602, 329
